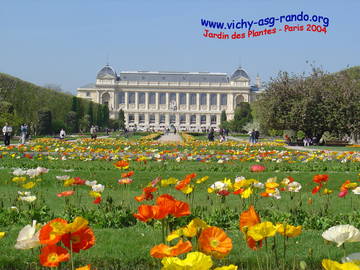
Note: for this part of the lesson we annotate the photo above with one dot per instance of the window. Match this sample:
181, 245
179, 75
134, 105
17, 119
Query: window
213, 99
213, 119
152, 118
223, 98
162, 118
131, 98
193, 119
182, 99
162, 97
203, 119
172, 96
182, 119
172, 119
192, 99
88, 94
141, 98
152, 98
131, 118
121, 98
141, 118
202, 99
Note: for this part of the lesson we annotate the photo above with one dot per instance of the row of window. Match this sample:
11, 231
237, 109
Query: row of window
172, 119
172, 97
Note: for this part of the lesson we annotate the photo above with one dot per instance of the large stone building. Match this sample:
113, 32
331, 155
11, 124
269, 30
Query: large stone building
185, 100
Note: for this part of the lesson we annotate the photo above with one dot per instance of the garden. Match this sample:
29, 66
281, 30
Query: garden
140, 204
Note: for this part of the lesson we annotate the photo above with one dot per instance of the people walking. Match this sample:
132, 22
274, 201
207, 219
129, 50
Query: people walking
7, 134
62, 134
211, 135
256, 136
93, 132
23, 133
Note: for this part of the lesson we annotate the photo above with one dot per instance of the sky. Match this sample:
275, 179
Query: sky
67, 42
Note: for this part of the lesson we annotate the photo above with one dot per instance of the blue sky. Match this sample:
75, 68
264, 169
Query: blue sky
67, 42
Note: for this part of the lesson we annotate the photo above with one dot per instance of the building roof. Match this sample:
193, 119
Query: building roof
169, 76
239, 72
106, 72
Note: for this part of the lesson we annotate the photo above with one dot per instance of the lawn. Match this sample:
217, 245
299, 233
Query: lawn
122, 242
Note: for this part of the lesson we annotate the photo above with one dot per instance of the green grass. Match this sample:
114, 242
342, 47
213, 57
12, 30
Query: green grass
334, 148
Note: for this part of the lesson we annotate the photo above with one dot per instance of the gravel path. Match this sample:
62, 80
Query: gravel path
171, 137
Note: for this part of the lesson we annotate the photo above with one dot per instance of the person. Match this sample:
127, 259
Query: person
62, 134
256, 136
7, 133
306, 141
211, 135
93, 132
252, 136
107, 131
23, 133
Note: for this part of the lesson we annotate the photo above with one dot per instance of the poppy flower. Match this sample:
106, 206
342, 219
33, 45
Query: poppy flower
52, 232
320, 178
257, 168
214, 241
52, 255
193, 260
125, 181
316, 189
122, 164
289, 230
262, 230
181, 209
65, 193
79, 181
247, 219
334, 265
97, 200
162, 250
127, 174
80, 240
86, 267
146, 195
28, 237
341, 234
145, 213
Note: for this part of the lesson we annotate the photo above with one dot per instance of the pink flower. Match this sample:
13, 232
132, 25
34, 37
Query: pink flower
343, 193
257, 168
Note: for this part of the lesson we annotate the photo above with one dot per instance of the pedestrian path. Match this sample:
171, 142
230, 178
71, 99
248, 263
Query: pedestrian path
170, 137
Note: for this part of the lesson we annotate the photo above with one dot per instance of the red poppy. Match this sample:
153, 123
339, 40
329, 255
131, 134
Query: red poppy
97, 200
127, 174
65, 193
146, 195
121, 164
181, 209
47, 234
145, 213
316, 189
80, 240
320, 178
79, 181
257, 168
223, 192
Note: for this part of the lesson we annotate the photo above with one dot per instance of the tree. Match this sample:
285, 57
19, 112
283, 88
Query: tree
75, 107
121, 120
45, 122
105, 115
84, 124
91, 113
223, 117
242, 116
71, 121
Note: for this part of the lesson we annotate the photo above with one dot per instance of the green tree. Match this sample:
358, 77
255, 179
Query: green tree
121, 120
91, 113
71, 121
85, 123
45, 122
223, 117
242, 116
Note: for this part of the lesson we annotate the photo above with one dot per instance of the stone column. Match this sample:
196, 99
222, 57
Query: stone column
198, 101
218, 117
218, 102
157, 100
146, 120
167, 101
114, 101
136, 101
147, 100
157, 119
136, 119
230, 101
177, 101
187, 101
208, 120
208, 101
167, 119
126, 101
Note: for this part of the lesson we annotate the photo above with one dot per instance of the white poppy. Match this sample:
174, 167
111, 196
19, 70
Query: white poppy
41, 170
98, 188
354, 258
27, 198
90, 183
341, 234
63, 177
294, 186
28, 237
19, 172
356, 191
239, 178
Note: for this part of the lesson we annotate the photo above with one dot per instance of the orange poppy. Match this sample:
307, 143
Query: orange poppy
247, 219
127, 174
121, 164
86, 267
52, 255
316, 189
51, 233
65, 193
181, 209
159, 212
183, 183
162, 250
146, 195
145, 213
167, 202
319, 178
214, 241
80, 240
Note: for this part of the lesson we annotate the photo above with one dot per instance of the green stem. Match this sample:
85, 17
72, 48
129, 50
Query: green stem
71, 255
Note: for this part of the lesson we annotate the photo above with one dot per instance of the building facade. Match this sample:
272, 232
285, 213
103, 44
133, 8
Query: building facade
190, 101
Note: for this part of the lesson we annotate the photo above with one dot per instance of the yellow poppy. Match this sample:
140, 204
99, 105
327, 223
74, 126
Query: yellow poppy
262, 230
289, 230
